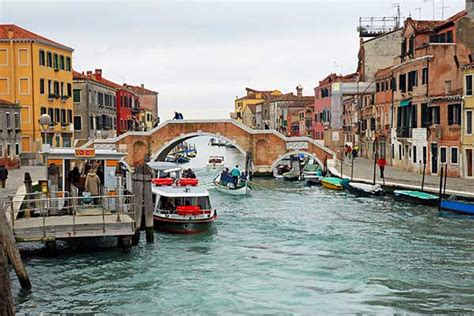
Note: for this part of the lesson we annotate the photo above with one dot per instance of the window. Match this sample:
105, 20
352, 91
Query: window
9, 150
56, 61
4, 89
62, 88
454, 155
101, 98
454, 114
68, 63
424, 76
42, 110
57, 115
449, 37
42, 86
424, 154
469, 85
442, 155
51, 115
69, 90
69, 116
23, 59
56, 88
49, 59
447, 86
425, 115
8, 119
469, 122
61, 62
63, 117
42, 58
17, 149
66, 140
414, 154
17, 120
412, 80
77, 123
435, 115
403, 83
24, 87
91, 123
50, 91
399, 152
77, 95
411, 45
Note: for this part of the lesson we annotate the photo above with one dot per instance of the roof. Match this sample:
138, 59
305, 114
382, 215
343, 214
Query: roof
468, 66
162, 166
252, 94
176, 191
140, 89
20, 33
81, 76
428, 26
291, 97
5, 102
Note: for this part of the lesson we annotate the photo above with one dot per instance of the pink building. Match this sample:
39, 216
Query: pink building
322, 106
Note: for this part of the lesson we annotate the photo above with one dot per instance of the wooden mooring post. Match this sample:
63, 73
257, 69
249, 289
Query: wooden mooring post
9, 245
6, 300
143, 203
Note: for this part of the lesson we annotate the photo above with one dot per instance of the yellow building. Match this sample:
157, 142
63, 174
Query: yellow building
467, 147
37, 73
253, 97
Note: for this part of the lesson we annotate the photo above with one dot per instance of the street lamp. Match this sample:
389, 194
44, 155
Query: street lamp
45, 122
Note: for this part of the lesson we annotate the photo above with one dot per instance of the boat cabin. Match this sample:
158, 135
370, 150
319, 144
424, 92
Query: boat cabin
180, 199
165, 170
217, 160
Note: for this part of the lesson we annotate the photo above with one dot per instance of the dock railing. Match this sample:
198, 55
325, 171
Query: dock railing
61, 204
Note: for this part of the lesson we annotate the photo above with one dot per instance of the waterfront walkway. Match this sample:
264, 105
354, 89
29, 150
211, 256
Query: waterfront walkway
364, 172
16, 178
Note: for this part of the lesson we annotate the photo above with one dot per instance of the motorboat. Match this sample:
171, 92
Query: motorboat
312, 171
314, 182
227, 186
333, 183
215, 162
364, 189
182, 208
416, 197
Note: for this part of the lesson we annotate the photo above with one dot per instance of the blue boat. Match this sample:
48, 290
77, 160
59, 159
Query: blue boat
464, 208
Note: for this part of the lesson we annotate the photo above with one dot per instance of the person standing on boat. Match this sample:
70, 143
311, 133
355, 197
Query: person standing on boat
3, 176
235, 175
382, 163
93, 184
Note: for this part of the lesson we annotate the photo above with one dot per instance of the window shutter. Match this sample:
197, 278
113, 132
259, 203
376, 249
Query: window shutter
450, 114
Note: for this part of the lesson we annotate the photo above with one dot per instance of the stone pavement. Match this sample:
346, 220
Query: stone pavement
364, 171
16, 178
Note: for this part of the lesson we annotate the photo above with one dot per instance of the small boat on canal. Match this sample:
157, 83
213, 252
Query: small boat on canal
291, 176
364, 189
416, 197
226, 186
215, 162
333, 183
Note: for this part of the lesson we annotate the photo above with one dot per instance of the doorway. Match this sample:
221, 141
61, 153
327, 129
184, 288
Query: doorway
469, 163
434, 158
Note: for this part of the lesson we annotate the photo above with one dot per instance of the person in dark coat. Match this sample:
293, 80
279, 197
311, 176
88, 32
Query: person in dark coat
3, 176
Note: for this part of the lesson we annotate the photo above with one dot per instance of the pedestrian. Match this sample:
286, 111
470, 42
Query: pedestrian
235, 175
356, 148
348, 151
382, 163
176, 116
181, 117
93, 184
3, 176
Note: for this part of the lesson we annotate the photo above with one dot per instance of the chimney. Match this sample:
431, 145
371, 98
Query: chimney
89, 73
470, 8
299, 91
143, 86
98, 74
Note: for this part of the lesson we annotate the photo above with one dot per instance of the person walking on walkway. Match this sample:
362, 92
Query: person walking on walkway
382, 163
3, 176
235, 175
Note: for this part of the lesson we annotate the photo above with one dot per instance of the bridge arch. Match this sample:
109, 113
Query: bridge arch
295, 153
161, 154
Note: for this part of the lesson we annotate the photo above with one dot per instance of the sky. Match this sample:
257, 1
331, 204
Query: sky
201, 55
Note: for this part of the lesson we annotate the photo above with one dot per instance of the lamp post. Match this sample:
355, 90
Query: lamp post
45, 122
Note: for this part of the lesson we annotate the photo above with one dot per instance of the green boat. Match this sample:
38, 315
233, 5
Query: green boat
416, 197
334, 183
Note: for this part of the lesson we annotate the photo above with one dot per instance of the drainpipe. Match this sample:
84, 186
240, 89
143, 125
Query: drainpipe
33, 105
88, 111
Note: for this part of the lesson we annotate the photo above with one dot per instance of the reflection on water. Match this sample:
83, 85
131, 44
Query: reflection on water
286, 248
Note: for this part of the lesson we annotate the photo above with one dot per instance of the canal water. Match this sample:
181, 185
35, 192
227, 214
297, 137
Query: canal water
285, 249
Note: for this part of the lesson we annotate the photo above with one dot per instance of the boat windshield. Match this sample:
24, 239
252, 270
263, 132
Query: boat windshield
170, 203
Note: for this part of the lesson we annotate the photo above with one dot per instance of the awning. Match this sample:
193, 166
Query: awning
405, 103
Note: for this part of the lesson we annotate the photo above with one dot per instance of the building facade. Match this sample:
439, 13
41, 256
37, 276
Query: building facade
95, 114
251, 98
467, 146
36, 73
10, 130
148, 111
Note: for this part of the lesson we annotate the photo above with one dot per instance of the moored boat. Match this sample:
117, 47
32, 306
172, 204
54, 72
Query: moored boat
312, 171
333, 183
291, 176
365, 189
416, 197
459, 207
314, 182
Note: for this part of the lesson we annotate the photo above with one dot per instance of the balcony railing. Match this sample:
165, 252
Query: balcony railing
404, 132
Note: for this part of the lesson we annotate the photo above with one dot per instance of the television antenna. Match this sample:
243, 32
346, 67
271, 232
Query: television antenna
442, 8
419, 12
434, 7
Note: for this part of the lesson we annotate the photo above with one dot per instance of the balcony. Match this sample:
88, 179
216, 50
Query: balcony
404, 132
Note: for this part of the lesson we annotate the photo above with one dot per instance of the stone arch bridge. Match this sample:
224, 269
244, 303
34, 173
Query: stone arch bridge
263, 148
